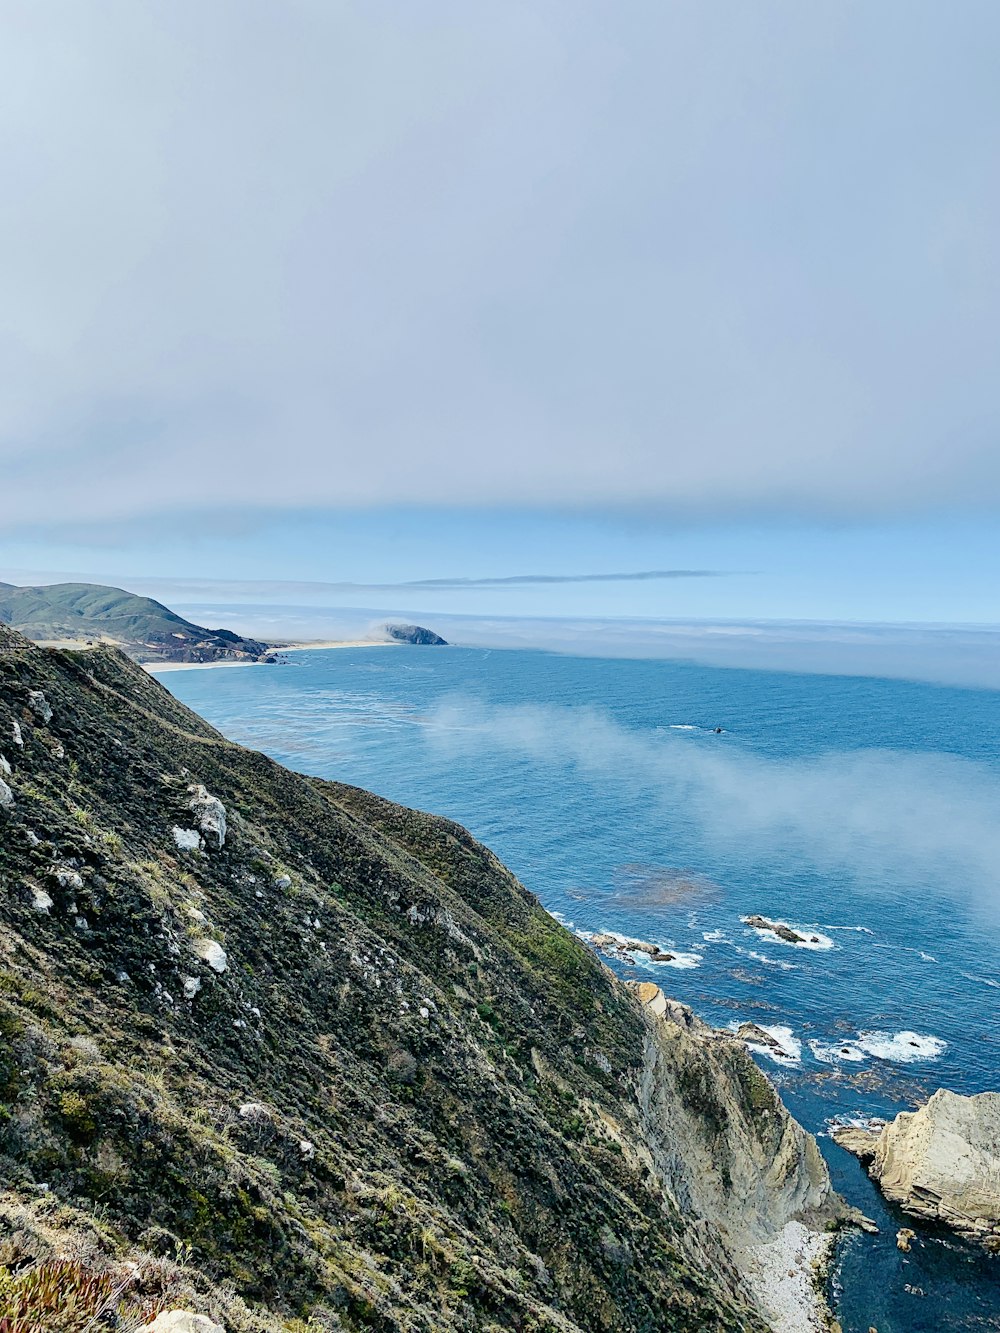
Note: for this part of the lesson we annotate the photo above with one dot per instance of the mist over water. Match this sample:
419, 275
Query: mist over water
864, 812
888, 818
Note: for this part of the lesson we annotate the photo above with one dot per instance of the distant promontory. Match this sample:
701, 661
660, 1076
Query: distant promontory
416, 634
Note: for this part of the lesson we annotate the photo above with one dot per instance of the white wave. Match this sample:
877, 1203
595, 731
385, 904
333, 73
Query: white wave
811, 938
789, 1050
683, 726
904, 1047
862, 930
770, 962
985, 981
715, 936
837, 1052
681, 960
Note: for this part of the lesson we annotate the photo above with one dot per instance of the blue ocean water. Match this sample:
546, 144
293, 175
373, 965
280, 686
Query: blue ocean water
865, 812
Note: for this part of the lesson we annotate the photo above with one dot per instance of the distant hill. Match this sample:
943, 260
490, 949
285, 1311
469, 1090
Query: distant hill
145, 629
425, 638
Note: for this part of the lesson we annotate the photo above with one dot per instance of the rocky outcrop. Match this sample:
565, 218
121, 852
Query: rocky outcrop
780, 929
941, 1162
210, 816
415, 634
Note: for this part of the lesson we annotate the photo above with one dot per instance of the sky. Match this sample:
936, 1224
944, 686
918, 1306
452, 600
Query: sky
377, 293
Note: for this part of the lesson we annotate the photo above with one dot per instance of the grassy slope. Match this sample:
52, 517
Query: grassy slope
81, 610
404, 1005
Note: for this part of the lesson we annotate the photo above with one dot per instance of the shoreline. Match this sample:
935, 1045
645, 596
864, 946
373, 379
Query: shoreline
156, 668
333, 643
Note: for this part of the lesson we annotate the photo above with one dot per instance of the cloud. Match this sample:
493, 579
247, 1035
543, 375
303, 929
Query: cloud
710, 259
901, 820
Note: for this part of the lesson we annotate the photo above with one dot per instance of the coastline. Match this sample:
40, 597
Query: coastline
334, 643
157, 668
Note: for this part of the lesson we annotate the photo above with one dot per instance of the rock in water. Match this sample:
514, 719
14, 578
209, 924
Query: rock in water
417, 634
941, 1162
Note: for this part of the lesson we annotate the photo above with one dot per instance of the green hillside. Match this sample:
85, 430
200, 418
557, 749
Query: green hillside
144, 628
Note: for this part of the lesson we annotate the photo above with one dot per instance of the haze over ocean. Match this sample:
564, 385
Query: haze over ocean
864, 810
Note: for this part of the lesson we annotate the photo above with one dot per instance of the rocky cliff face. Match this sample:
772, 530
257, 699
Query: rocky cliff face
941, 1163
293, 1052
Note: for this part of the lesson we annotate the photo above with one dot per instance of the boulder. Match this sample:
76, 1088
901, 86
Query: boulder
941, 1162
6, 795
210, 816
39, 705
181, 1321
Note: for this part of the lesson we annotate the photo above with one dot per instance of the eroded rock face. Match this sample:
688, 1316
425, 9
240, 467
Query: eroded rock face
941, 1162
6, 795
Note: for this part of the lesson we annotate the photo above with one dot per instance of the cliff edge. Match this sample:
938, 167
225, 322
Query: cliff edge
276, 1050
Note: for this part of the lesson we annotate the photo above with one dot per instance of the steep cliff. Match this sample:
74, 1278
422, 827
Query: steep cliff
940, 1162
296, 1053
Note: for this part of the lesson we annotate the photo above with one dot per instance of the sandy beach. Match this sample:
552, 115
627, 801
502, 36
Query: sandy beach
156, 668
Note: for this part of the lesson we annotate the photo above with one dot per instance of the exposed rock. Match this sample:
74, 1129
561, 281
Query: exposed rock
857, 1139
186, 839
941, 1162
778, 928
40, 900
6, 795
651, 997
211, 952
5, 766
621, 946
903, 1238
181, 1321
39, 705
210, 815
15, 731
758, 1036
416, 634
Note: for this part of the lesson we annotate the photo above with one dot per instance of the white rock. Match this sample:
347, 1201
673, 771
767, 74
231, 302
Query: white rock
942, 1162
4, 766
33, 839
67, 878
210, 815
186, 839
16, 733
282, 882
181, 1321
212, 953
307, 1149
6, 795
39, 705
192, 985
42, 902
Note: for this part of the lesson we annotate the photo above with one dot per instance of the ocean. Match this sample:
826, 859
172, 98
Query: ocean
666, 801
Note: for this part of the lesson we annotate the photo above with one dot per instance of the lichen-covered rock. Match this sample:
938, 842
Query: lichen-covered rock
39, 705
181, 1321
941, 1162
211, 952
210, 816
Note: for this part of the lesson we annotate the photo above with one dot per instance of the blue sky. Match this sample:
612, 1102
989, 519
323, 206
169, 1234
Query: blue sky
374, 292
